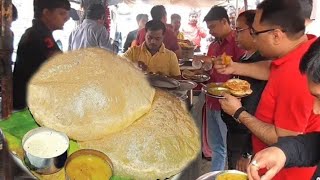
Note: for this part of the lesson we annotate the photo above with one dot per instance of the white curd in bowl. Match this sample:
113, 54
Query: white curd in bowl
46, 144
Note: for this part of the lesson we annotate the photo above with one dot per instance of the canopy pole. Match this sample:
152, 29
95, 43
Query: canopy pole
237, 8
6, 49
245, 5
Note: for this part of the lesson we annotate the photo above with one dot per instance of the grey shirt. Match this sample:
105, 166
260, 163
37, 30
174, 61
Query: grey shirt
89, 34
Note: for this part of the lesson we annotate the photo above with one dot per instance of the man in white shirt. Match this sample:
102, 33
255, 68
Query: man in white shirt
91, 32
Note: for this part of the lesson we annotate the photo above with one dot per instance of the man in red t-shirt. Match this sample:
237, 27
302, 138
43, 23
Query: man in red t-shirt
285, 107
170, 40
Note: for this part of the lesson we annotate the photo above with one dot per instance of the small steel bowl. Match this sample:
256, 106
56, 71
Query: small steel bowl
231, 172
90, 152
45, 165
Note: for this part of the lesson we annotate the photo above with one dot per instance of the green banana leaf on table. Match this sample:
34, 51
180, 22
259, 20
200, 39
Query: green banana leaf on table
19, 124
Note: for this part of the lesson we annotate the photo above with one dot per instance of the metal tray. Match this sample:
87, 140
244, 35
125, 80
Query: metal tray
162, 81
186, 85
200, 78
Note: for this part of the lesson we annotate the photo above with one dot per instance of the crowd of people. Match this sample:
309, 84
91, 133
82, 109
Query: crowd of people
275, 48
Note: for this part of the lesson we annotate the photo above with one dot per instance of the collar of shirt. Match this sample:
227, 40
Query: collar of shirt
89, 21
294, 53
247, 56
144, 47
229, 38
41, 26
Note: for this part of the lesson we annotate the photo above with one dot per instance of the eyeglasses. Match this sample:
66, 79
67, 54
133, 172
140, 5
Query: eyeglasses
238, 30
253, 32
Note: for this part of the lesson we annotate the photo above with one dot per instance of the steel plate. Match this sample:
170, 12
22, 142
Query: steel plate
162, 81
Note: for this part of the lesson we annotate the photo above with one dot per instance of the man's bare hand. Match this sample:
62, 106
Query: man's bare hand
230, 104
142, 66
222, 68
272, 158
242, 164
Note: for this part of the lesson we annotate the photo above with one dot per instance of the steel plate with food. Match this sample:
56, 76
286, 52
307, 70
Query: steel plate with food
236, 87
197, 75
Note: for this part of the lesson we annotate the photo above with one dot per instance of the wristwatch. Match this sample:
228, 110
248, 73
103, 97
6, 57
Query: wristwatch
246, 155
236, 115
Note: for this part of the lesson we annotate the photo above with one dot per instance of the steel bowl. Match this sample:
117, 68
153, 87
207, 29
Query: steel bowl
90, 152
231, 172
44, 165
214, 175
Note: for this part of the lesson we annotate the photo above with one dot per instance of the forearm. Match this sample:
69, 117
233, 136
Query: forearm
301, 150
264, 131
259, 70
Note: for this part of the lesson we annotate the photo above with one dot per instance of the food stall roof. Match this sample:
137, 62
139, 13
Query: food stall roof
188, 3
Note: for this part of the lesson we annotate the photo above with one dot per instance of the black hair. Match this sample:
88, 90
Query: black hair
155, 25
248, 16
40, 5
306, 8
283, 13
158, 12
217, 13
141, 16
175, 16
95, 12
14, 13
310, 62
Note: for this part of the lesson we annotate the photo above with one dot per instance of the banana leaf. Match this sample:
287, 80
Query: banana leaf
17, 126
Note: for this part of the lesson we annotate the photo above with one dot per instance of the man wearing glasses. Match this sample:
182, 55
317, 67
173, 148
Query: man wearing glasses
285, 107
218, 23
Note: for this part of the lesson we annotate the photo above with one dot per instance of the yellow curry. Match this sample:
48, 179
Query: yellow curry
86, 167
232, 176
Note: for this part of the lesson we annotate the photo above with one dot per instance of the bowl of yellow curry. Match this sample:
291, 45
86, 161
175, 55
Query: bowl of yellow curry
224, 175
231, 175
88, 164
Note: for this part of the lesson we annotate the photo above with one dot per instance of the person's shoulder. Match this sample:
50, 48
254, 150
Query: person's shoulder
256, 57
131, 33
30, 35
169, 32
143, 30
134, 49
169, 52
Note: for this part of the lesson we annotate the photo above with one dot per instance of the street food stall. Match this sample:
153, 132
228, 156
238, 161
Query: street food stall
91, 108
123, 124
178, 132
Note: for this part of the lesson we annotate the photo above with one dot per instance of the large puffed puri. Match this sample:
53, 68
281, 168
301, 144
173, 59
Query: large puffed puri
88, 94
157, 146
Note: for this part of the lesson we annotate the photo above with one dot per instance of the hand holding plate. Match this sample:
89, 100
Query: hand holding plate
230, 104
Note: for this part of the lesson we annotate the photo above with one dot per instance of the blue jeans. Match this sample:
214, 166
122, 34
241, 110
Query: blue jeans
217, 135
